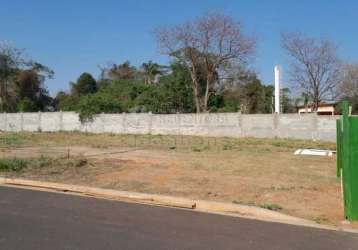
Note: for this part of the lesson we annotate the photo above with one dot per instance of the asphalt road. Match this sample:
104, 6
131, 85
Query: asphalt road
43, 220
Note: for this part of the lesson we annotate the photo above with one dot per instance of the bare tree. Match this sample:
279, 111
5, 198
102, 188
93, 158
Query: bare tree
314, 66
206, 46
349, 82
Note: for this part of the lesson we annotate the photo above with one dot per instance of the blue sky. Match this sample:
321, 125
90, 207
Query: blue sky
77, 36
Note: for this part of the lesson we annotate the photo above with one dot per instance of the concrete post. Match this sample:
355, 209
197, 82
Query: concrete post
150, 123
241, 124
103, 121
5, 119
61, 121
124, 123
21, 121
179, 122
39, 121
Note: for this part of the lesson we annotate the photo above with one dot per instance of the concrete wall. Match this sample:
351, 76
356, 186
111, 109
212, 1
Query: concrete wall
306, 126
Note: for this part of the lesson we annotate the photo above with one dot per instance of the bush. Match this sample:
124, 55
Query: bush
91, 105
271, 206
14, 164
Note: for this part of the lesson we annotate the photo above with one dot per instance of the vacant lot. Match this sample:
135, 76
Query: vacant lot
260, 172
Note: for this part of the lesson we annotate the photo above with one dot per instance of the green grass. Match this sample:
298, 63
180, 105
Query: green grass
19, 164
10, 141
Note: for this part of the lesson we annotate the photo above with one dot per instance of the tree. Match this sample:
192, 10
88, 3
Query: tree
85, 85
150, 70
124, 71
93, 104
349, 85
29, 92
314, 66
175, 88
65, 101
268, 99
10, 61
252, 96
22, 82
287, 104
206, 46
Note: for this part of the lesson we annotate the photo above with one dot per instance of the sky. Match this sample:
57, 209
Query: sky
76, 36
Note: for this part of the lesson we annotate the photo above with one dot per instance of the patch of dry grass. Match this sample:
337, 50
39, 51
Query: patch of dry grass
196, 143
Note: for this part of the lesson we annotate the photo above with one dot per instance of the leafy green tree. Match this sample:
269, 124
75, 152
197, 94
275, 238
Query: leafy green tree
90, 105
22, 82
85, 85
26, 105
287, 102
268, 99
29, 92
252, 96
65, 101
10, 61
150, 70
177, 95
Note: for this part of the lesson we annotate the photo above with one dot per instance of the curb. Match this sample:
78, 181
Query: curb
222, 208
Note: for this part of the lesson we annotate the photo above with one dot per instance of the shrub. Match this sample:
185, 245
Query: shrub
10, 140
91, 105
271, 206
14, 164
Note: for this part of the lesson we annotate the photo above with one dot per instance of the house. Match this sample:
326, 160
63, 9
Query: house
323, 109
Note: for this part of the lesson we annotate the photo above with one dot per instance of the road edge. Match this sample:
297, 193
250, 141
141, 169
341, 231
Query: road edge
235, 210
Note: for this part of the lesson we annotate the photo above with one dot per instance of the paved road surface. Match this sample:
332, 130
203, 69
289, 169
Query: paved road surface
42, 220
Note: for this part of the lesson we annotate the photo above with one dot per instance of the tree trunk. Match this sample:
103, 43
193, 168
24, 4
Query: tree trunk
195, 88
197, 100
206, 97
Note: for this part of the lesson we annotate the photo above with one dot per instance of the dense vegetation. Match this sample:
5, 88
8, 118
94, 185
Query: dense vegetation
170, 92
22, 82
125, 88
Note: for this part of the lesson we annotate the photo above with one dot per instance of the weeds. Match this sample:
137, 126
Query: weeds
200, 148
271, 206
10, 141
228, 147
14, 164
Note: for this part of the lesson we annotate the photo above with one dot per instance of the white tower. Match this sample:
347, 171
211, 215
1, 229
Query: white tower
277, 89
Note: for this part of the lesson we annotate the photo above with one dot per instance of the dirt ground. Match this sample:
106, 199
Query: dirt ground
260, 172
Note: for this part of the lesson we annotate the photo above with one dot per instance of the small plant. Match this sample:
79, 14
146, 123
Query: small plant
227, 147
80, 162
320, 219
14, 164
10, 140
41, 162
271, 206
200, 148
